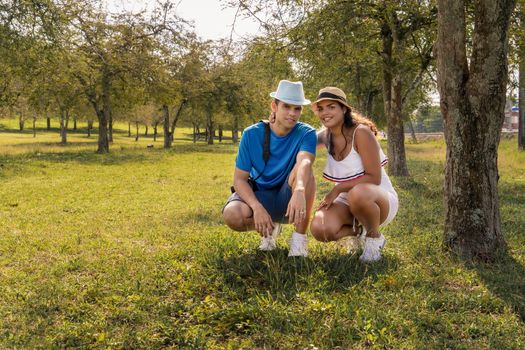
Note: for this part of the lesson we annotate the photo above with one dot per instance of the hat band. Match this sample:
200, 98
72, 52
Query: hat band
330, 95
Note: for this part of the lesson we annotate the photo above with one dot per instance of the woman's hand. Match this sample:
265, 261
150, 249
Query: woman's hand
329, 199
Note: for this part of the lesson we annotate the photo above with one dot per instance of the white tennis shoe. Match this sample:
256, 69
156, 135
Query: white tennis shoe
372, 249
269, 243
298, 245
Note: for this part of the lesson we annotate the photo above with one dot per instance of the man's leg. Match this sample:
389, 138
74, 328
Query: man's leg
238, 216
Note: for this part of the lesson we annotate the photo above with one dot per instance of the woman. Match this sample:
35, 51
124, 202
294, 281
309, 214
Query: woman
363, 191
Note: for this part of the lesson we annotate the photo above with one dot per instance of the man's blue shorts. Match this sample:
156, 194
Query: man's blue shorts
275, 200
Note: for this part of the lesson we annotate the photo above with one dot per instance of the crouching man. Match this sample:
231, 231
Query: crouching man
273, 178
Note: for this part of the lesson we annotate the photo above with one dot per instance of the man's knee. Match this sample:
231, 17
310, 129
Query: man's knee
234, 218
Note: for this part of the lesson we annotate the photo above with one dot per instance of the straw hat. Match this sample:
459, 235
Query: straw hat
330, 93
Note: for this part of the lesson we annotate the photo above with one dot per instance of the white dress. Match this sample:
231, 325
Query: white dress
351, 168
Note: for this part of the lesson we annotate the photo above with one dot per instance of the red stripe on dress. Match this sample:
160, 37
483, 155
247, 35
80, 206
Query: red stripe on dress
345, 180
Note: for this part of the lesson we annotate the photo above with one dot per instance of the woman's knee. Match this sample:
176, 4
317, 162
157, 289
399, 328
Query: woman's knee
322, 231
359, 195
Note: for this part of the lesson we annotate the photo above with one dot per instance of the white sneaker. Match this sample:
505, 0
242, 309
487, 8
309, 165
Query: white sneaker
269, 243
372, 249
298, 245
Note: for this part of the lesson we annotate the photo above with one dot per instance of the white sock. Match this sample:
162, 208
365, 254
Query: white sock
296, 236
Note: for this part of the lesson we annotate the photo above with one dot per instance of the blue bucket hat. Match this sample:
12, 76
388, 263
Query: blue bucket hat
290, 92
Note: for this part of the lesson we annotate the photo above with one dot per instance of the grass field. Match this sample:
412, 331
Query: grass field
128, 251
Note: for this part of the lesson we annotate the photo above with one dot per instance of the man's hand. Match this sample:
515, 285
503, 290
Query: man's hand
262, 221
296, 210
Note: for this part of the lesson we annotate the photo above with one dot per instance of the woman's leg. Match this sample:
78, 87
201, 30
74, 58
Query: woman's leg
369, 204
332, 224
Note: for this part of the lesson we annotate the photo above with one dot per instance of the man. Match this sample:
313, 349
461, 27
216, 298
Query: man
282, 189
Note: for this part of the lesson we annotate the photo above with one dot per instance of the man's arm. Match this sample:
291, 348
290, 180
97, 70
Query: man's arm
296, 210
262, 220
321, 137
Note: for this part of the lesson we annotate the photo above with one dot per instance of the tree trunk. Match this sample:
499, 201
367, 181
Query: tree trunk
472, 105
129, 129
397, 164
393, 104
75, 123
235, 130
89, 127
155, 131
63, 126
194, 133
369, 103
210, 131
176, 119
521, 121
110, 124
104, 115
34, 126
136, 131
220, 133
412, 130
21, 122
146, 132
103, 143
48, 121
166, 125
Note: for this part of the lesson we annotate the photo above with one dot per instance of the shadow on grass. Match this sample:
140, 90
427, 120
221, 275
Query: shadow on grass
53, 130
117, 155
42, 145
83, 157
506, 280
256, 272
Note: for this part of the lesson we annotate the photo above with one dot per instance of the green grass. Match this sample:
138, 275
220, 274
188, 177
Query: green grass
128, 250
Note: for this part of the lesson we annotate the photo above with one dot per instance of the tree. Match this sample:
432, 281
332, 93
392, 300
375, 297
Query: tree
472, 84
521, 125
520, 43
109, 48
360, 42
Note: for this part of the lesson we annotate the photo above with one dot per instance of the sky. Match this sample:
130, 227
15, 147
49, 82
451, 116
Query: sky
211, 19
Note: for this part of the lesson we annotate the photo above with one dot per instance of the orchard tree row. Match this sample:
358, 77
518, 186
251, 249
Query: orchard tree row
74, 60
